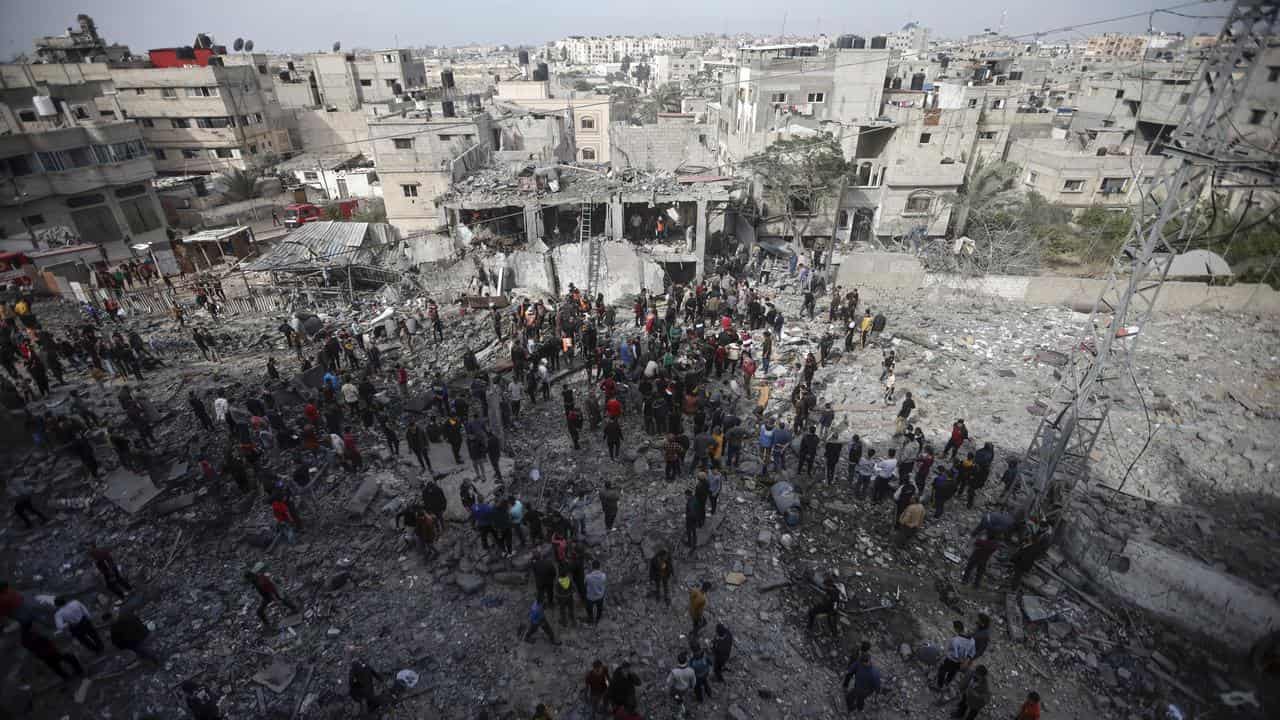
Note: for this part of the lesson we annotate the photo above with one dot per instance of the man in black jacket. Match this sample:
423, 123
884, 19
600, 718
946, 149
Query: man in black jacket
721, 648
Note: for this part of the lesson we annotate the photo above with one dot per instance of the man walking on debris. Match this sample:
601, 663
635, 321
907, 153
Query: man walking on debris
827, 606
269, 593
698, 606
362, 685
661, 570
960, 650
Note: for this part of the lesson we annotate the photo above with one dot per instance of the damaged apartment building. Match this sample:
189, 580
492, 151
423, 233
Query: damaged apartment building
908, 146
912, 127
461, 173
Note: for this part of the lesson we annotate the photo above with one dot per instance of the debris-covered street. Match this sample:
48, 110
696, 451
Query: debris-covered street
304, 485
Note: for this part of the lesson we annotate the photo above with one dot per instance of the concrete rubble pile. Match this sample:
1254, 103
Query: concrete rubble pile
454, 622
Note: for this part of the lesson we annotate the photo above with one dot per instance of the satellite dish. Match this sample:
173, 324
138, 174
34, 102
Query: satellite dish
337, 46
238, 45
248, 46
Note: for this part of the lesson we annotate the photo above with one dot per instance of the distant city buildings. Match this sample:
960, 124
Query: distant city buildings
90, 123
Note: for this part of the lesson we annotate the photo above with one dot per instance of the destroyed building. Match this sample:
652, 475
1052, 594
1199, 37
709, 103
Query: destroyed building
547, 220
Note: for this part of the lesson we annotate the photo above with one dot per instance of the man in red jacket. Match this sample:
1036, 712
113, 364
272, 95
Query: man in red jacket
267, 589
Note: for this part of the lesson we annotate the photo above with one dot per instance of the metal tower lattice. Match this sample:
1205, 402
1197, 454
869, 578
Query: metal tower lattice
1206, 144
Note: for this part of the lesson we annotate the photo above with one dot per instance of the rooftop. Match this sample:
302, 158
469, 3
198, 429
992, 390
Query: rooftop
324, 161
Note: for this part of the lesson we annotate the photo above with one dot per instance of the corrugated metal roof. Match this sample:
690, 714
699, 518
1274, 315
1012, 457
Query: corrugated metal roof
319, 244
215, 235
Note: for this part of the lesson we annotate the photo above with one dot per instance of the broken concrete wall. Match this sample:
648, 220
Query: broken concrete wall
662, 147
529, 270
1204, 602
880, 270
430, 247
624, 270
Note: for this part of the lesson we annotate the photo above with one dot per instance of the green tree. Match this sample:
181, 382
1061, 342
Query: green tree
583, 86
987, 184
240, 185
801, 178
666, 98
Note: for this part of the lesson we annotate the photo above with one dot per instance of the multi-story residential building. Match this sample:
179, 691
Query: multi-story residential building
71, 181
909, 146
780, 86
419, 153
588, 113
1088, 168
678, 69
911, 39
1116, 46
202, 114
582, 50
201, 110
345, 81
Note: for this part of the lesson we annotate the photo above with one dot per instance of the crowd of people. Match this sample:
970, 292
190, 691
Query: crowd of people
680, 373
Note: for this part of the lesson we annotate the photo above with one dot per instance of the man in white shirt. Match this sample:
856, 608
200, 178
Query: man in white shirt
960, 652
886, 469
73, 617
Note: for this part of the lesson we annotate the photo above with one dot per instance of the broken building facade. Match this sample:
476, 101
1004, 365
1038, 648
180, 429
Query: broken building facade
71, 181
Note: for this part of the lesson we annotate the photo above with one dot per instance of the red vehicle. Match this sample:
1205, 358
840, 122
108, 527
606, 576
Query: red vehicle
299, 213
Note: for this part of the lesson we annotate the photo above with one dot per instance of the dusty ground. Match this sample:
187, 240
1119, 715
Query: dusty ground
366, 593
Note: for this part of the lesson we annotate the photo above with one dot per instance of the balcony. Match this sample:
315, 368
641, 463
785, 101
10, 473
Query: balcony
82, 179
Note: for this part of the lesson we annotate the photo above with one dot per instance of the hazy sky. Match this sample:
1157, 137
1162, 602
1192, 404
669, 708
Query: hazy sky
316, 24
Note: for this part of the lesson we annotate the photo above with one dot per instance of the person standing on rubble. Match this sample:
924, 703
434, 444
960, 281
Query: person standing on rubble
698, 606
417, 440
362, 686
435, 502
960, 651
73, 617
573, 420
269, 593
827, 606
661, 570
984, 546
112, 576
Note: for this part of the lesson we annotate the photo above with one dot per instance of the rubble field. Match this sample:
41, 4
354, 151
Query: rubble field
1206, 385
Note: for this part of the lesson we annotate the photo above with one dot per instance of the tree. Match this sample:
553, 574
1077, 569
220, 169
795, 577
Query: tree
626, 64
582, 85
666, 98
641, 74
801, 178
240, 185
988, 183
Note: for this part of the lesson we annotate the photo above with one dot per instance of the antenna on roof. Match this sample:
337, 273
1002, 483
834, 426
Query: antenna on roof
337, 46
238, 45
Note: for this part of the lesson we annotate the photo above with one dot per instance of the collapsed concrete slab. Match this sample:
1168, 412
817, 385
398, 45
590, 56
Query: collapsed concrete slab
1212, 605
129, 490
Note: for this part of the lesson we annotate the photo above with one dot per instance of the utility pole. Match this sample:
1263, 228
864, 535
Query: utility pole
1206, 145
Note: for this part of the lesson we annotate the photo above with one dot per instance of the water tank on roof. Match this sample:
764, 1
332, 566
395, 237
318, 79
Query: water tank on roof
541, 72
446, 109
524, 57
859, 42
844, 42
879, 42
45, 106
917, 81
446, 79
